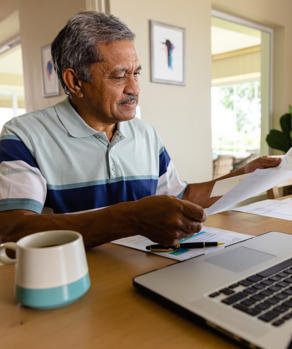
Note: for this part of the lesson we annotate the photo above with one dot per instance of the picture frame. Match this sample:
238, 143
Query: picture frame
50, 80
167, 53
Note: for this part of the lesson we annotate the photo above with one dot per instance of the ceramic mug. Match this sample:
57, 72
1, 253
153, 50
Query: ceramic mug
51, 268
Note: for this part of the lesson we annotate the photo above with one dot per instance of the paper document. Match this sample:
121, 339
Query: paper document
270, 208
255, 183
207, 234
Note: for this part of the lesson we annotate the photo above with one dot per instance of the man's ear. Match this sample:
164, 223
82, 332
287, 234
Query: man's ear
72, 82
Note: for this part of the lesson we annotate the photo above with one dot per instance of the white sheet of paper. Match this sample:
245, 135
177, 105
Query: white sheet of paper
255, 183
207, 234
270, 208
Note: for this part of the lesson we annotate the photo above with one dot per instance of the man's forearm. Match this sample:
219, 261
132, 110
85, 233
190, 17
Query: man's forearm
97, 227
162, 218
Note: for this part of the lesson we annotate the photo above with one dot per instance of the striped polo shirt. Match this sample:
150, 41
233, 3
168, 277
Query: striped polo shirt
52, 159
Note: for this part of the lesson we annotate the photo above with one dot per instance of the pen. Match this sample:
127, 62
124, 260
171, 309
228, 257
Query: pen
161, 248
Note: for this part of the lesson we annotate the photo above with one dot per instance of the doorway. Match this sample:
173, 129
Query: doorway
241, 92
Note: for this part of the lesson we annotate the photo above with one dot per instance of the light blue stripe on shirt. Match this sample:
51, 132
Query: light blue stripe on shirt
100, 182
21, 204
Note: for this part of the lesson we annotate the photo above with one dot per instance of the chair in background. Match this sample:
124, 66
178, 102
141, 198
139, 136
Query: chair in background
280, 190
240, 162
222, 165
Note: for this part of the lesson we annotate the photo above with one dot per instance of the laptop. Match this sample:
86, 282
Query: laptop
243, 290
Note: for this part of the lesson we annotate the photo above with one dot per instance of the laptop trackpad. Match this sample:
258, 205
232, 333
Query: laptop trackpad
239, 259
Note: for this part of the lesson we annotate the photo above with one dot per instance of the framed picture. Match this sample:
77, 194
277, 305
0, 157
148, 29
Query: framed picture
167, 53
50, 79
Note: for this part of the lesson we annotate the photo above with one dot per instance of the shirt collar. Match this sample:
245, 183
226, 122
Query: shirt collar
76, 126
72, 121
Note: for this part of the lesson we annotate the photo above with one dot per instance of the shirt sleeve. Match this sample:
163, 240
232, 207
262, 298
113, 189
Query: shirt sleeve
22, 186
169, 181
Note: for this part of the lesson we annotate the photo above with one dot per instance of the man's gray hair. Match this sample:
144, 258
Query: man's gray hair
76, 44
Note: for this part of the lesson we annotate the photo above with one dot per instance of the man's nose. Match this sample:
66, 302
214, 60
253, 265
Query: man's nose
132, 86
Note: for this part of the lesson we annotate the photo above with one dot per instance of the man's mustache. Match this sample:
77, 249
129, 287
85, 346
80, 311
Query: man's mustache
128, 99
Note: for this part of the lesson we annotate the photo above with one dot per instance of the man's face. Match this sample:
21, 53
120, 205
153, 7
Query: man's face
111, 95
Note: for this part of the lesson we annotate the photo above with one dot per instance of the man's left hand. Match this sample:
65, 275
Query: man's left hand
262, 162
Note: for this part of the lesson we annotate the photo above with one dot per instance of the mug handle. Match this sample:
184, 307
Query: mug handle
3, 255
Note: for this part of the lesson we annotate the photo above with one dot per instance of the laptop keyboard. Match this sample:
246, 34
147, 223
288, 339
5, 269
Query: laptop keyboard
266, 295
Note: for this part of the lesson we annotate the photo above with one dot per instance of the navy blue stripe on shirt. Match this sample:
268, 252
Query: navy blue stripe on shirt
13, 149
97, 196
164, 160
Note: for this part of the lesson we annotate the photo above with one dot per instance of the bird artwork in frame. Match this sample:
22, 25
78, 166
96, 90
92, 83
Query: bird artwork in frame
50, 79
167, 51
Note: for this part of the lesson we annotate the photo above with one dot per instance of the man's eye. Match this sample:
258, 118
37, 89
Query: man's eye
118, 77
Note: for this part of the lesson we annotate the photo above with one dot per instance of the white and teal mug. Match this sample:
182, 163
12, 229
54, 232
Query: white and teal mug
51, 268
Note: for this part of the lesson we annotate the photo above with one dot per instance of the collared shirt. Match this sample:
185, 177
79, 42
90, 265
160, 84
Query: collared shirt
51, 158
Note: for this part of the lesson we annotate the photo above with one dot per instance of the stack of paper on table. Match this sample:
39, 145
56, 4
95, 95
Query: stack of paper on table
270, 208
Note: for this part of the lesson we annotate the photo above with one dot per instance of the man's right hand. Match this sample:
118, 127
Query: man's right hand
166, 219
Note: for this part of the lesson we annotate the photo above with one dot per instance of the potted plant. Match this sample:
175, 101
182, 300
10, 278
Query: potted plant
282, 140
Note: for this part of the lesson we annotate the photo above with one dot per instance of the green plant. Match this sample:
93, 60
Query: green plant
282, 140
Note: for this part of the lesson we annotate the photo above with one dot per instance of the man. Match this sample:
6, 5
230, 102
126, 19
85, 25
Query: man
89, 152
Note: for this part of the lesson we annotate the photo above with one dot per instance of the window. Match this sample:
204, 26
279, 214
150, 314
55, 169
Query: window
236, 118
11, 84
11, 104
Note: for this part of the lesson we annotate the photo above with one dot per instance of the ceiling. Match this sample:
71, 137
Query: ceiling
9, 27
11, 61
228, 36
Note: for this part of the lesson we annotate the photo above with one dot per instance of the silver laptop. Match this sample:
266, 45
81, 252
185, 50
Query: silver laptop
243, 290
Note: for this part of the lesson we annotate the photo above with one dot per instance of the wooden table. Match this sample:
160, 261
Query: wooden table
113, 314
